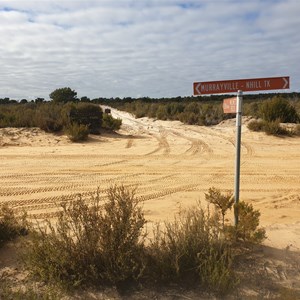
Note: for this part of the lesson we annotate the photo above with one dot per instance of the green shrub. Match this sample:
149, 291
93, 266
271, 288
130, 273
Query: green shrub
91, 243
190, 250
248, 218
110, 123
271, 128
85, 114
274, 128
247, 228
48, 117
122, 237
221, 202
77, 132
278, 109
11, 225
256, 125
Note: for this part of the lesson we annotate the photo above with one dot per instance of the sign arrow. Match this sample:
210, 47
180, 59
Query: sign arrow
286, 82
232, 86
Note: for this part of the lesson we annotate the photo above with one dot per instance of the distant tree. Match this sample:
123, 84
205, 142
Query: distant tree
23, 101
63, 95
85, 99
4, 101
86, 114
39, 100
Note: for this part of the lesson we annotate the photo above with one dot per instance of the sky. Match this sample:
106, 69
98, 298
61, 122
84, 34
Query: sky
144, 48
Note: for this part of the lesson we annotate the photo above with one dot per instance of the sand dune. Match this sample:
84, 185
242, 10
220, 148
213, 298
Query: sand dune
170, 164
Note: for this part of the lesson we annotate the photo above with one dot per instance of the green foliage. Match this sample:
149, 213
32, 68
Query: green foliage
278, 109
271, 128
77, 132
97, 242
215, 269
247, 229
221, 202
122, 239
190, 250
91, 243
274, 128
248, 218
53, 117
256, 125
85, 114
11, 225
48, 117
110, 123
193, 113
63, 95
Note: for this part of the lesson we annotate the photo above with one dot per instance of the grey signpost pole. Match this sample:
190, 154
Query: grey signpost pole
239, 102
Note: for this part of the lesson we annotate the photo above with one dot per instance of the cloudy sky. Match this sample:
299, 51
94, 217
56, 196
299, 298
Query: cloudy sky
134, 48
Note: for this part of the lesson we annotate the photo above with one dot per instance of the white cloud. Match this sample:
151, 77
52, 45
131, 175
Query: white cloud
151, 48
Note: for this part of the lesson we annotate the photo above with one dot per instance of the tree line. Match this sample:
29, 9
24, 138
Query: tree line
64, 113
60, 111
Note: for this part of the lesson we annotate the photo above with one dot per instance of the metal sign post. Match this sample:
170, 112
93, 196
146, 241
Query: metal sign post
229, 105
239, 102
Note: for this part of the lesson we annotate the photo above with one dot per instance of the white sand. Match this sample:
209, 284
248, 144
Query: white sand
169, 163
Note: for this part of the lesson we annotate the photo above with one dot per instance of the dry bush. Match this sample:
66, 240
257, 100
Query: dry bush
247, 228
97, 242
269, 127
77, 132
110, 123
91, 243
11, 225
221, 202
248, 224
190, 250
274, 128
256, 125
278, 109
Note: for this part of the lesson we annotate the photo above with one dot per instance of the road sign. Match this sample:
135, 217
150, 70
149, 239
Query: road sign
229, 105
232, 86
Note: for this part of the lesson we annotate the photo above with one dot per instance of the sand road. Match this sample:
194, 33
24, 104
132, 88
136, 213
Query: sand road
170, 164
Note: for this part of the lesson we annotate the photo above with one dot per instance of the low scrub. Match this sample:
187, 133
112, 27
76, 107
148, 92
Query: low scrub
11, 225
110, 123
93, 242
102, 241
256, 125
270, 128
247, 230
222, 202
278, 109
190, 250
274, 128
77, 132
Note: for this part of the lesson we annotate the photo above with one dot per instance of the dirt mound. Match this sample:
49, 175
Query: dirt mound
29, 137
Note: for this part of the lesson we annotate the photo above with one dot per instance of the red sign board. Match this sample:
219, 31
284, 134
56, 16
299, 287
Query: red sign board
229, 105
232, 86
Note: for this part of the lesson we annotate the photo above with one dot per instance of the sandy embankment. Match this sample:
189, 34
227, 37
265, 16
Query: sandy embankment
169, 163
172, 165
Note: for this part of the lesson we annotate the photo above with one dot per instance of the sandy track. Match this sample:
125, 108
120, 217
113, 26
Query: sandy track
169, 163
